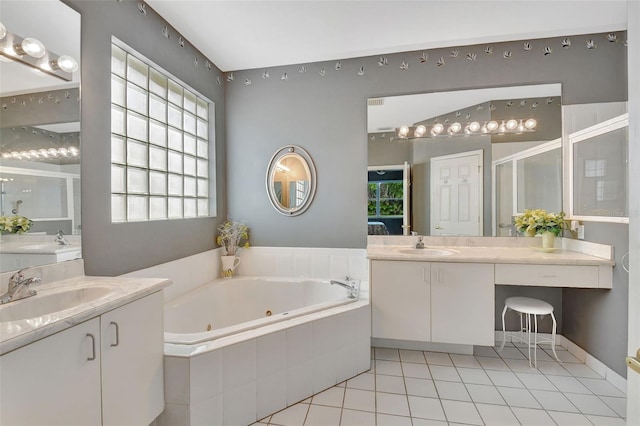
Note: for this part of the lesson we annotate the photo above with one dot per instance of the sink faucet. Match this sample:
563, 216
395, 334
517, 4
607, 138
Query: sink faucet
19, 287
420, 243
351, 288
60, 239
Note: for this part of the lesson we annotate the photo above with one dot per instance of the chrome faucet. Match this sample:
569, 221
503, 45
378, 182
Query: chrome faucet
351, 288
19, 287
420, 243
60, 239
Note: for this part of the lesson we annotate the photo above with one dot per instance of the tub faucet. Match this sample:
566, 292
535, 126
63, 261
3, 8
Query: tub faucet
351, 288
19, 287
60, 239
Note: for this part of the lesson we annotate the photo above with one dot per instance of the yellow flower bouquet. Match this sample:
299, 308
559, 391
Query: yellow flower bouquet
534, 222
15, 224
233, 235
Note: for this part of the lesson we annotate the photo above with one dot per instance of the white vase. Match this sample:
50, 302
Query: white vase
229, 264
548, 239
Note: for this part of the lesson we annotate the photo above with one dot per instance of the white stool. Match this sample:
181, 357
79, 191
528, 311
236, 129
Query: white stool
527, 306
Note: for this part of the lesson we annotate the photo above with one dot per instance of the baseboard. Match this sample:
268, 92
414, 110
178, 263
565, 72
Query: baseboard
599, 367
422, 346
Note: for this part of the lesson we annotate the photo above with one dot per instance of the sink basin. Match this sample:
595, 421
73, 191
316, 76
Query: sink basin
429, 252
41, 246
45, 304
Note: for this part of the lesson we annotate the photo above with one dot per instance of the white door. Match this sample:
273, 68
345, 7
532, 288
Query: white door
406, 198
456, 194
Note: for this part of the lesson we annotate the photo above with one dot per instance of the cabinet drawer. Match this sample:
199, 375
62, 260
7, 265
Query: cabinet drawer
547, 275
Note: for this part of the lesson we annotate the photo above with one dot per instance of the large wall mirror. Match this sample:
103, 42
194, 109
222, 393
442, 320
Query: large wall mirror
468, 160
40, 133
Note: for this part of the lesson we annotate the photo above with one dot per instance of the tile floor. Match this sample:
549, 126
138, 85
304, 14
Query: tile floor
416, 388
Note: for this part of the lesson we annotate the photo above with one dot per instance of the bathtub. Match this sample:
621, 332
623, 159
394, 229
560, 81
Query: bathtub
230, 306
239, 349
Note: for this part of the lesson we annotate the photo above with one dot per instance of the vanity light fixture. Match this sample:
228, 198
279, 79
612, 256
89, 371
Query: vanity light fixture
43, 153
32, 52
513, 125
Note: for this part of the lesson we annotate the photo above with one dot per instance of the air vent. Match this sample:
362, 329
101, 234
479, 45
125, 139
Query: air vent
375, 102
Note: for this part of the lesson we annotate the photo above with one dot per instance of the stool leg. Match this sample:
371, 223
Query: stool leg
553, 337
535, 342
504, 332
529, 338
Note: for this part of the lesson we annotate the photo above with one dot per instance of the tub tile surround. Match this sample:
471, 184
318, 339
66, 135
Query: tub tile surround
241, 378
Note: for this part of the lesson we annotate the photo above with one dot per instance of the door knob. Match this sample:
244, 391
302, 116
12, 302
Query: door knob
634, 362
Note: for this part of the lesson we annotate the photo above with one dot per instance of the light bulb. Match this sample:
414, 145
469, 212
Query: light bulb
53, 152
74, 151
454, 128
474, 126
33, 47
403, 132
502, 128
420, 131
67, 63
3, 31
437, 129
530, 123
484, 129
492, 125
43, 152
512, 124
520, 127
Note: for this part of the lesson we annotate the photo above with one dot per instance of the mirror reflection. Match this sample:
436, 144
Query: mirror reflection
39, 134
291, 180
468, 160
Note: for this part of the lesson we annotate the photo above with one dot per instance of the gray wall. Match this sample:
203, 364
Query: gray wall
382, 152
327, 115
112, 249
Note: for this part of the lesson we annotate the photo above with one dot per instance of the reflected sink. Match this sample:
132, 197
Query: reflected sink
428, 251
46, 304
41, 246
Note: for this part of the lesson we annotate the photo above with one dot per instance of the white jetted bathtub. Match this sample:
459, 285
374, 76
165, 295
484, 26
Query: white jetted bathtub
239, 349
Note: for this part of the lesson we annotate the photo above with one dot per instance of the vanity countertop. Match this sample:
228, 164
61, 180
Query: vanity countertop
527, 255
119, 291
37, 247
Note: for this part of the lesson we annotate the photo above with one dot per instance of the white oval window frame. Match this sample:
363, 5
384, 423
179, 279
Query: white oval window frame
310, 166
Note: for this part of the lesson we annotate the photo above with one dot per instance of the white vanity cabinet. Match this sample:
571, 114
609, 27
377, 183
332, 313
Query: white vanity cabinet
400, 300
53, 381
462, 303
105, 371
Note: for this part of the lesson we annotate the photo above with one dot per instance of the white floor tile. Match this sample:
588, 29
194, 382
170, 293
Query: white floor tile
357, 399
366, 381
452, 390
504, 378
438, 358
391, 368
569, 419
420, 387
319, 415
518, 398
292, 416
485, 394
426, 408
606, 421
387, 354
389, 403
489, 363
390, 384
564, 356
494, 415
461, 412
531, 417
412, 356
523, 366
511, 353
619, 405
474, 375
568, 384
389, 420
601, 387
552, 368
554, 401
332, 397
582, 370
590, 404
357, 418
426, 422
486, 351
419, 371
466, 361
439, 372
542, 354
536, 381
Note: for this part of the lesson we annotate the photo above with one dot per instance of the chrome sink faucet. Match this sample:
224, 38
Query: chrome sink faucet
19, 287
60, 239
351, 288
420, 243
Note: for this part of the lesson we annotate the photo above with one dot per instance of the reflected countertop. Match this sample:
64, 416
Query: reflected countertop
37, 247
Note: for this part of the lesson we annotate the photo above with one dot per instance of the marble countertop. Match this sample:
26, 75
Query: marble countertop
476, 254
37, 247
15, 334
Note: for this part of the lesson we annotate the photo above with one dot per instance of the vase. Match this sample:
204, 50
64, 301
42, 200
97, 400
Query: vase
530, 233
229, 264
548, 239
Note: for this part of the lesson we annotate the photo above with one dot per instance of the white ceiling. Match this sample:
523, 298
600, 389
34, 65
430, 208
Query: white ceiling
242, 34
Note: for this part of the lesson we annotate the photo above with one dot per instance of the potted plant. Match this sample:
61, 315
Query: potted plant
15, 224
232, 236
549, 225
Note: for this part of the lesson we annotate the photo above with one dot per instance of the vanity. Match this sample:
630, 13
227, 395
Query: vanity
84, 350
445, 293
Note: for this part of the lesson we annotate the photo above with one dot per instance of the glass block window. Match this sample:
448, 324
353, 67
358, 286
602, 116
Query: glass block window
160, 147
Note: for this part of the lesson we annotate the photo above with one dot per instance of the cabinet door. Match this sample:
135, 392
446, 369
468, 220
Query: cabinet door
400, 300
462, 303
132, 372
53, 381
